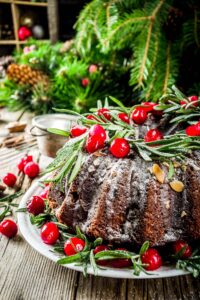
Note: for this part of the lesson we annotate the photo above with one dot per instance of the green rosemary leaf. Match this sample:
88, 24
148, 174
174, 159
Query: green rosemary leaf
79, 234
112, 127
23, 209
78, 257
77, 167
144, 154
66, 168
171, 170
9, 198
172, 108
58, 249
97, 242
93, 262
119, 103
110, 254
178, 93
99, 104
67, 111
184, 118
144, 248
59, 131
106, 104
61, 226
4, 213
14, 204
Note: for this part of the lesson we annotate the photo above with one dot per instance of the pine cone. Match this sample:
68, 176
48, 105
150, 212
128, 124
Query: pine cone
25, 75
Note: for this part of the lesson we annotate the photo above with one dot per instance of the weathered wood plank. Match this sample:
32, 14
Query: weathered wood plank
27, 275
100, 288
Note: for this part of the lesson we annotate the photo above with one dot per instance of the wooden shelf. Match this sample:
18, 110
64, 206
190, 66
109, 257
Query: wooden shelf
8, 42
14, 42
52, 17
45, 4
24, 2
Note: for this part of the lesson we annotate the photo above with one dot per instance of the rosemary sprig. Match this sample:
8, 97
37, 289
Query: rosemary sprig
7, 205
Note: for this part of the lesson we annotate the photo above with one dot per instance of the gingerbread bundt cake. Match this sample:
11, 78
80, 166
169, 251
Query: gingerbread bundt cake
129, 199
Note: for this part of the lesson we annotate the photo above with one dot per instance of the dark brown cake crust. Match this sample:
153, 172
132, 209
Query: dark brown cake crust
121, 201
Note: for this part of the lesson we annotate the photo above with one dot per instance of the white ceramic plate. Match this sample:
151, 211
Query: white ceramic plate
32, 236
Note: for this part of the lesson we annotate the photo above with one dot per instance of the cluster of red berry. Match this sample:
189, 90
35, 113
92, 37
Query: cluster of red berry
31, 169
27, 166
119, 147
35, 206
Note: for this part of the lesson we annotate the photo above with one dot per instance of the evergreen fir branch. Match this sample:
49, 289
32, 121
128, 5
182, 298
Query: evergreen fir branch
167, 73
197, 28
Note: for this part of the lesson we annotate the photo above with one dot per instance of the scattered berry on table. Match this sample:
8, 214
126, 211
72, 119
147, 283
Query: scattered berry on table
32, 169
36, 205
23, 162
49, 233
9, 179
73, 245
8, 228
119, 147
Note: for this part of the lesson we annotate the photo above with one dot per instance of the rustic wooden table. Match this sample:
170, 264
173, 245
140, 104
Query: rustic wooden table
25, 274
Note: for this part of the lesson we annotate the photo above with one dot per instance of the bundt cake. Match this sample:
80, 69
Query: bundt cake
129, 199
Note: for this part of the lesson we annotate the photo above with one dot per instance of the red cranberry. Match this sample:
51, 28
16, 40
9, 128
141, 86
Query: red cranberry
157, 113
98, 131
114, 263
45, 192
194, 100
93, 68
119, 147
73, 246
178, 245
152, 258
22, 163
85, 82
100, 248
153, 135
124, 117
49, 233
149, 106
94, 143
77, 130
91, 117
193, 130
139, 115
104, 112
120, 263
10, 179
32, 169
36, 205
8, 228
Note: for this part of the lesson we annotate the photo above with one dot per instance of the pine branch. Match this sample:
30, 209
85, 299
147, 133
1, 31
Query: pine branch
167, 73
